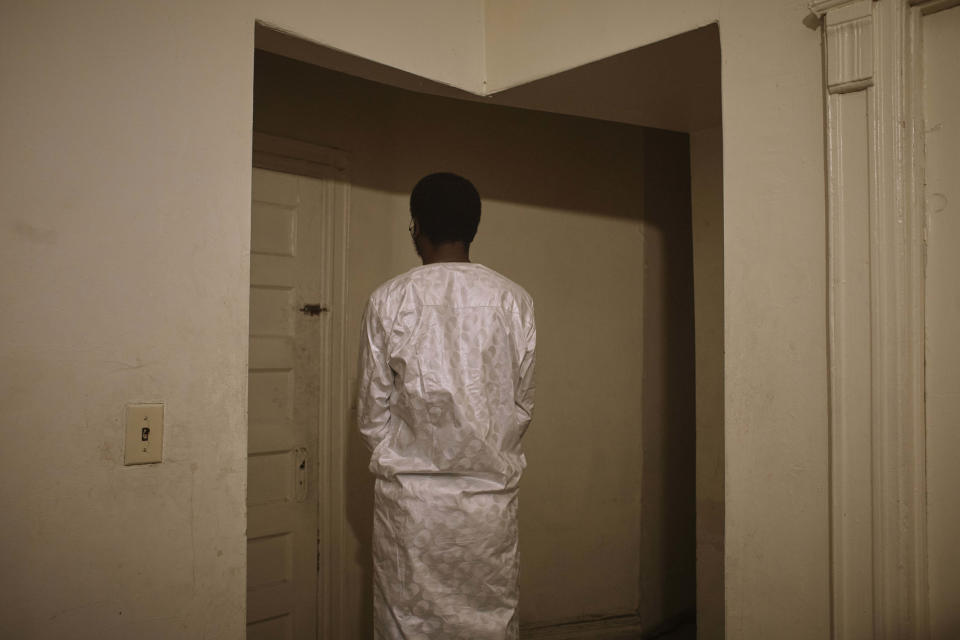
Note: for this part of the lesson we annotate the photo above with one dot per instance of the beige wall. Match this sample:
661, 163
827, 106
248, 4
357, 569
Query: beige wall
941, 34
563, 202
775, 340
774, 271
126, 135
536, 38
438, 39
775, 395
123, 244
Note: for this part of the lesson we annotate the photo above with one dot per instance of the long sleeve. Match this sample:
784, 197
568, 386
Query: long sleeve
376, 380
525, 384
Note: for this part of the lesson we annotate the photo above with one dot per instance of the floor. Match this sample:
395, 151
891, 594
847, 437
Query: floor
686, 631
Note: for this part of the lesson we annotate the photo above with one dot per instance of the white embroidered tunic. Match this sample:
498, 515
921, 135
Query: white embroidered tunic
446, 393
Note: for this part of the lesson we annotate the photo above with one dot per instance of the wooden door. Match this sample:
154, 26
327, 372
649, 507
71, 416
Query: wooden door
286, 272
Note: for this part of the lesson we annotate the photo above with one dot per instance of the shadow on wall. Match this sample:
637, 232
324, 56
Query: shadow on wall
360, 518
668, 502
378, 124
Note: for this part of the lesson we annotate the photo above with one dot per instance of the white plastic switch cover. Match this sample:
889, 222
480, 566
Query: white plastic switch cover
143, 441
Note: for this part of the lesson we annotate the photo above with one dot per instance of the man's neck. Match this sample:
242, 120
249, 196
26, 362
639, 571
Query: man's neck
447, 252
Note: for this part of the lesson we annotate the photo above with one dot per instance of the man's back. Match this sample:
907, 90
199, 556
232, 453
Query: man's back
446, 394
458, 339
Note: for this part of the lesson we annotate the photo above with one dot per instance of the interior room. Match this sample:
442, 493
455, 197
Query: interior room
141, 281
592, 213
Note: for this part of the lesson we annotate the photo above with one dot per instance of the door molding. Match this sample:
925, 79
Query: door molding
876, 251
306, 159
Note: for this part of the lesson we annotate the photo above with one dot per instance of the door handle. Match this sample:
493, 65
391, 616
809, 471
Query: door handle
313, 309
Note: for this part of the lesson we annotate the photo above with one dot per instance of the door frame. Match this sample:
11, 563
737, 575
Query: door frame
876, 247
296, 157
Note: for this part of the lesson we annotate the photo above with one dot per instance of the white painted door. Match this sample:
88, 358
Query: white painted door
286, 272
941, 43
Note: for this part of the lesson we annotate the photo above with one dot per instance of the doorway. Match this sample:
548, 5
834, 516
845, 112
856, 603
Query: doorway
608, 524
297, 395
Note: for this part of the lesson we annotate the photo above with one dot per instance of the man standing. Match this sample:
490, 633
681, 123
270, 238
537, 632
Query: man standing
446, 393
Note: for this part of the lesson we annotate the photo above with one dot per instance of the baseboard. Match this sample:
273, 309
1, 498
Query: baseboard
616, 628
619, 628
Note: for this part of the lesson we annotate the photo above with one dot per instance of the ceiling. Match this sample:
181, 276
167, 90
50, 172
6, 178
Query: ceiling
672, 84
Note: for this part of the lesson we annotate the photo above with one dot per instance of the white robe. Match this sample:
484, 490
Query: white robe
446, 393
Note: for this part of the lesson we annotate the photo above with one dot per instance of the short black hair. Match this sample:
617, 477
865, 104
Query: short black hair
446, 207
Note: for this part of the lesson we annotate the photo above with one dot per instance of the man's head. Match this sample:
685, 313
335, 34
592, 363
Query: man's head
445, 209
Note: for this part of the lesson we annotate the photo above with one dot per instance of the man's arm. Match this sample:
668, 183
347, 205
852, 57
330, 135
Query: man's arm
525, 383
376, 380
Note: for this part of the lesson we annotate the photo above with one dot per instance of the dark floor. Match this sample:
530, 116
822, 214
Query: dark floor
686, 631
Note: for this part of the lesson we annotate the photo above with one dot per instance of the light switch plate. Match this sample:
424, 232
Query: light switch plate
143, 440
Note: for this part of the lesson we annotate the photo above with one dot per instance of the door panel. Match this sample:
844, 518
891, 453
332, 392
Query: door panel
286, 272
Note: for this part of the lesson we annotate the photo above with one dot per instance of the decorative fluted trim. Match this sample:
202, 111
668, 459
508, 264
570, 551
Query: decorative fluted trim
820, 7
876, 320
848, 46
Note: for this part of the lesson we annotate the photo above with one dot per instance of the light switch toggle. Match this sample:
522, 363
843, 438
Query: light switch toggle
143, 441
